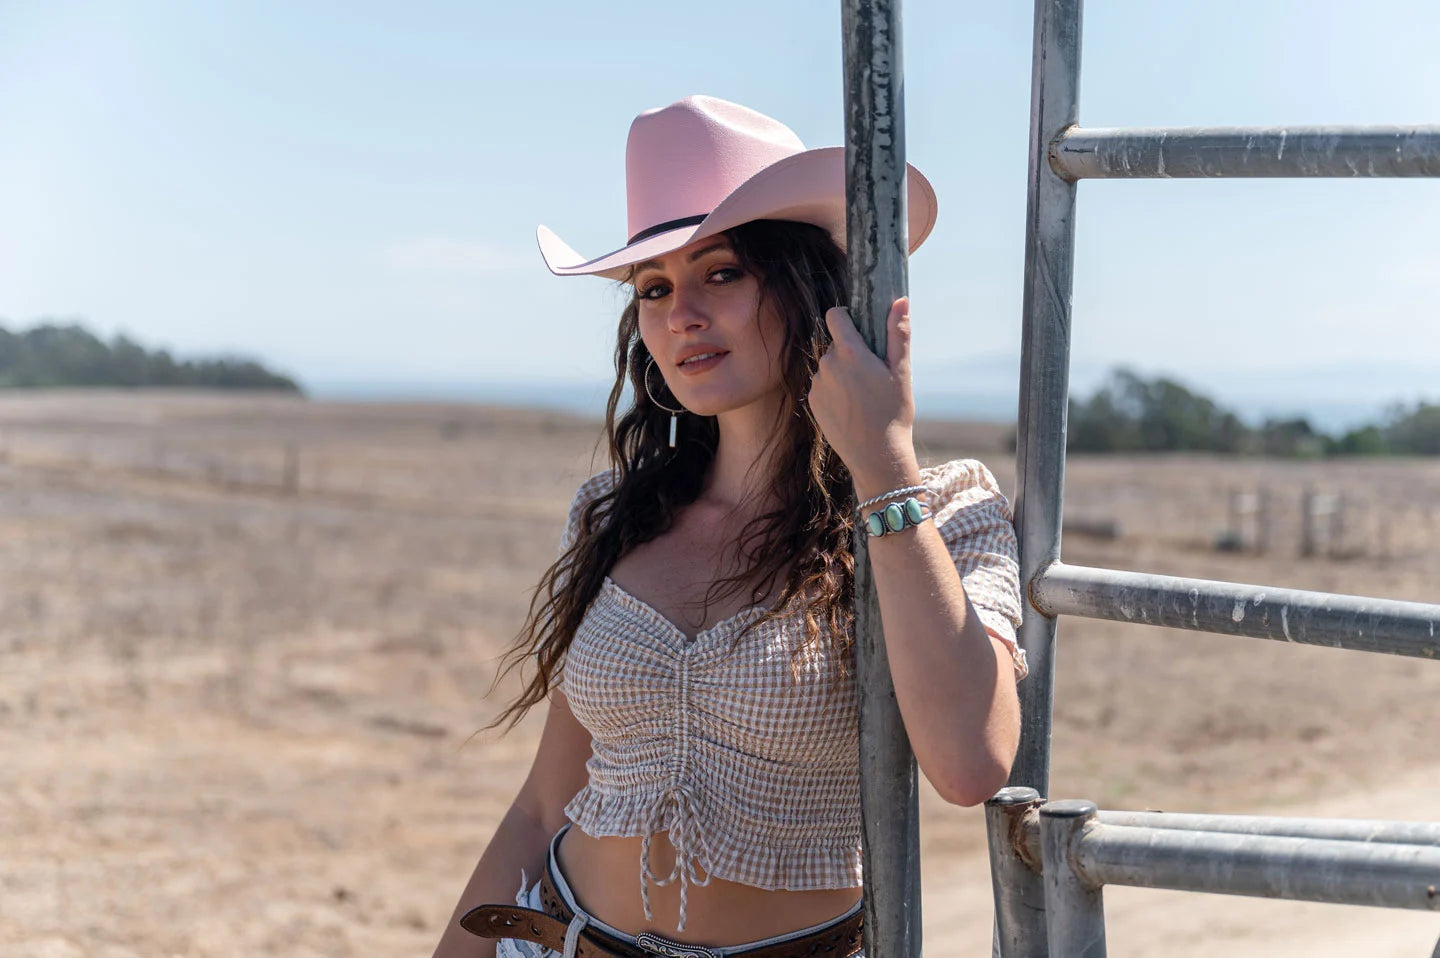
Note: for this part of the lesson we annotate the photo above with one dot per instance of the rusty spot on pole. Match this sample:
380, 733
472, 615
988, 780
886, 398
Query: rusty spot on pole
1021, 826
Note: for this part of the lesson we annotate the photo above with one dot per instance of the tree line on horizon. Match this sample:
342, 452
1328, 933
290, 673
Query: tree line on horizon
53, 355
1129, 413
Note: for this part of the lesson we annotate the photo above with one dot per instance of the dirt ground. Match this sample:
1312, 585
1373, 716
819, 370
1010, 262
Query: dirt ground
245, 642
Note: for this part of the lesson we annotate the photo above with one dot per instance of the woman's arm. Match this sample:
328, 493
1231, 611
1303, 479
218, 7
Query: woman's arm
954, 683
523, 839
519, 842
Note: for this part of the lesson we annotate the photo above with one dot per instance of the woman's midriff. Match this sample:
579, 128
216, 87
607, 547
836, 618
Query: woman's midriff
604, 875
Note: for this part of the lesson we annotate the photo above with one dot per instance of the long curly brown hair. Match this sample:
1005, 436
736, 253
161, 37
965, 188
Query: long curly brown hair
803, 273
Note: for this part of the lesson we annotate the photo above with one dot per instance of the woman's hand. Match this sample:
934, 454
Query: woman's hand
864, 404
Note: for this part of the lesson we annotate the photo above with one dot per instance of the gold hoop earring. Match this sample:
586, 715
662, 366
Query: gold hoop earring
645, 378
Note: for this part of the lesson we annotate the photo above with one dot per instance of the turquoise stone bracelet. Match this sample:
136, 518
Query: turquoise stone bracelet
895, 517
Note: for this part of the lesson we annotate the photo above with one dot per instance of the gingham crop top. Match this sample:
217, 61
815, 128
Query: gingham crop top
756, 778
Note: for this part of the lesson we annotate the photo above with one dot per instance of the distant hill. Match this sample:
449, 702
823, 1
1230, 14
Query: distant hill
1129, 413
52, 355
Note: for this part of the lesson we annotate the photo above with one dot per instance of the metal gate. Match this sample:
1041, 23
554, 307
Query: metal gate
1049, 862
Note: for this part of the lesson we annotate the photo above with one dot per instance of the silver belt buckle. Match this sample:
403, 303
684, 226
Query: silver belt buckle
655, 945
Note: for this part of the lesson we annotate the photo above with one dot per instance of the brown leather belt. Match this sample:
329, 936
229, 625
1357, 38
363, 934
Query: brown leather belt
548, 928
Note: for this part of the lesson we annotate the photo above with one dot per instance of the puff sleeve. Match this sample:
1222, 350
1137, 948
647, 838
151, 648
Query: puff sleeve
978, 529
591, 488
595, 486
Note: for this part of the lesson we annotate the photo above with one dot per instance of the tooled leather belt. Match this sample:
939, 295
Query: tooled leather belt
548, 928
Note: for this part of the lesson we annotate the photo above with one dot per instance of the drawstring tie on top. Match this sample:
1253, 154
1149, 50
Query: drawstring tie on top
685, 835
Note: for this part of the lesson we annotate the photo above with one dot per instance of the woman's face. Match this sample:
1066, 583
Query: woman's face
696, 303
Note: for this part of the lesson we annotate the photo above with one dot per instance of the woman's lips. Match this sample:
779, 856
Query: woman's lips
698, 366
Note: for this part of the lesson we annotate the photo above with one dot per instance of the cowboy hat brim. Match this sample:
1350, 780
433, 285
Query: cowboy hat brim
808, 187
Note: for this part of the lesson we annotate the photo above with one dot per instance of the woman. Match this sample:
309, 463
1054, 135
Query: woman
694, 639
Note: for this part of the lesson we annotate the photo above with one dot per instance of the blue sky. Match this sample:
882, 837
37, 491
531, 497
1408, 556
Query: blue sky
350, 191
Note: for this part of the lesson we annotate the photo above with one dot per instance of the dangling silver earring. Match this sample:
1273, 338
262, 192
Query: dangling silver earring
673, 412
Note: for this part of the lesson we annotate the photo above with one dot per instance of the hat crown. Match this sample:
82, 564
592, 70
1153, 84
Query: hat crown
681, 160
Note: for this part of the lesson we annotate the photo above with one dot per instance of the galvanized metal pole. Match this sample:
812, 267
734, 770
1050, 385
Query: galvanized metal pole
1364, 830
1074, 906
1299, 151
1045, 364
1015, 875
875, 224
1260, 866
1237, 608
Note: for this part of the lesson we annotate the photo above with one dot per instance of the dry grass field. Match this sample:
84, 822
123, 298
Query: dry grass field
245, 642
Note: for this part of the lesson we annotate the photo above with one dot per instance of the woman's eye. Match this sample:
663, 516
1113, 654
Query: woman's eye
660, 289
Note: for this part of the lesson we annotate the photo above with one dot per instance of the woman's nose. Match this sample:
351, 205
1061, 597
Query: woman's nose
686, 310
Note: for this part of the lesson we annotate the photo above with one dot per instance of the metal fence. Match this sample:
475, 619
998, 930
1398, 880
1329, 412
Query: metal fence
877, 241
1050, 861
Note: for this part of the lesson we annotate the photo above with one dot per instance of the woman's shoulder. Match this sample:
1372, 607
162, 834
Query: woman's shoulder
975, 521
591, 489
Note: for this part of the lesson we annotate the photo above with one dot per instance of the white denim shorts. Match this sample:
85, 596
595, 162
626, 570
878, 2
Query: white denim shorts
529, 897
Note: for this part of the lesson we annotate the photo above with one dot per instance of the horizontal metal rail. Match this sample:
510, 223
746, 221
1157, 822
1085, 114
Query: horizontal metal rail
1333, 829
1266, 866
1297, 151
1235, 608
1014, 829
1081, 854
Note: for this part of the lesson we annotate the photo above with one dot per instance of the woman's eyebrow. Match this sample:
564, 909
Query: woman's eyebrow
655, 263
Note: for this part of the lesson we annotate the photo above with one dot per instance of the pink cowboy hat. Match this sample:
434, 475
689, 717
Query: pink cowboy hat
703, 165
